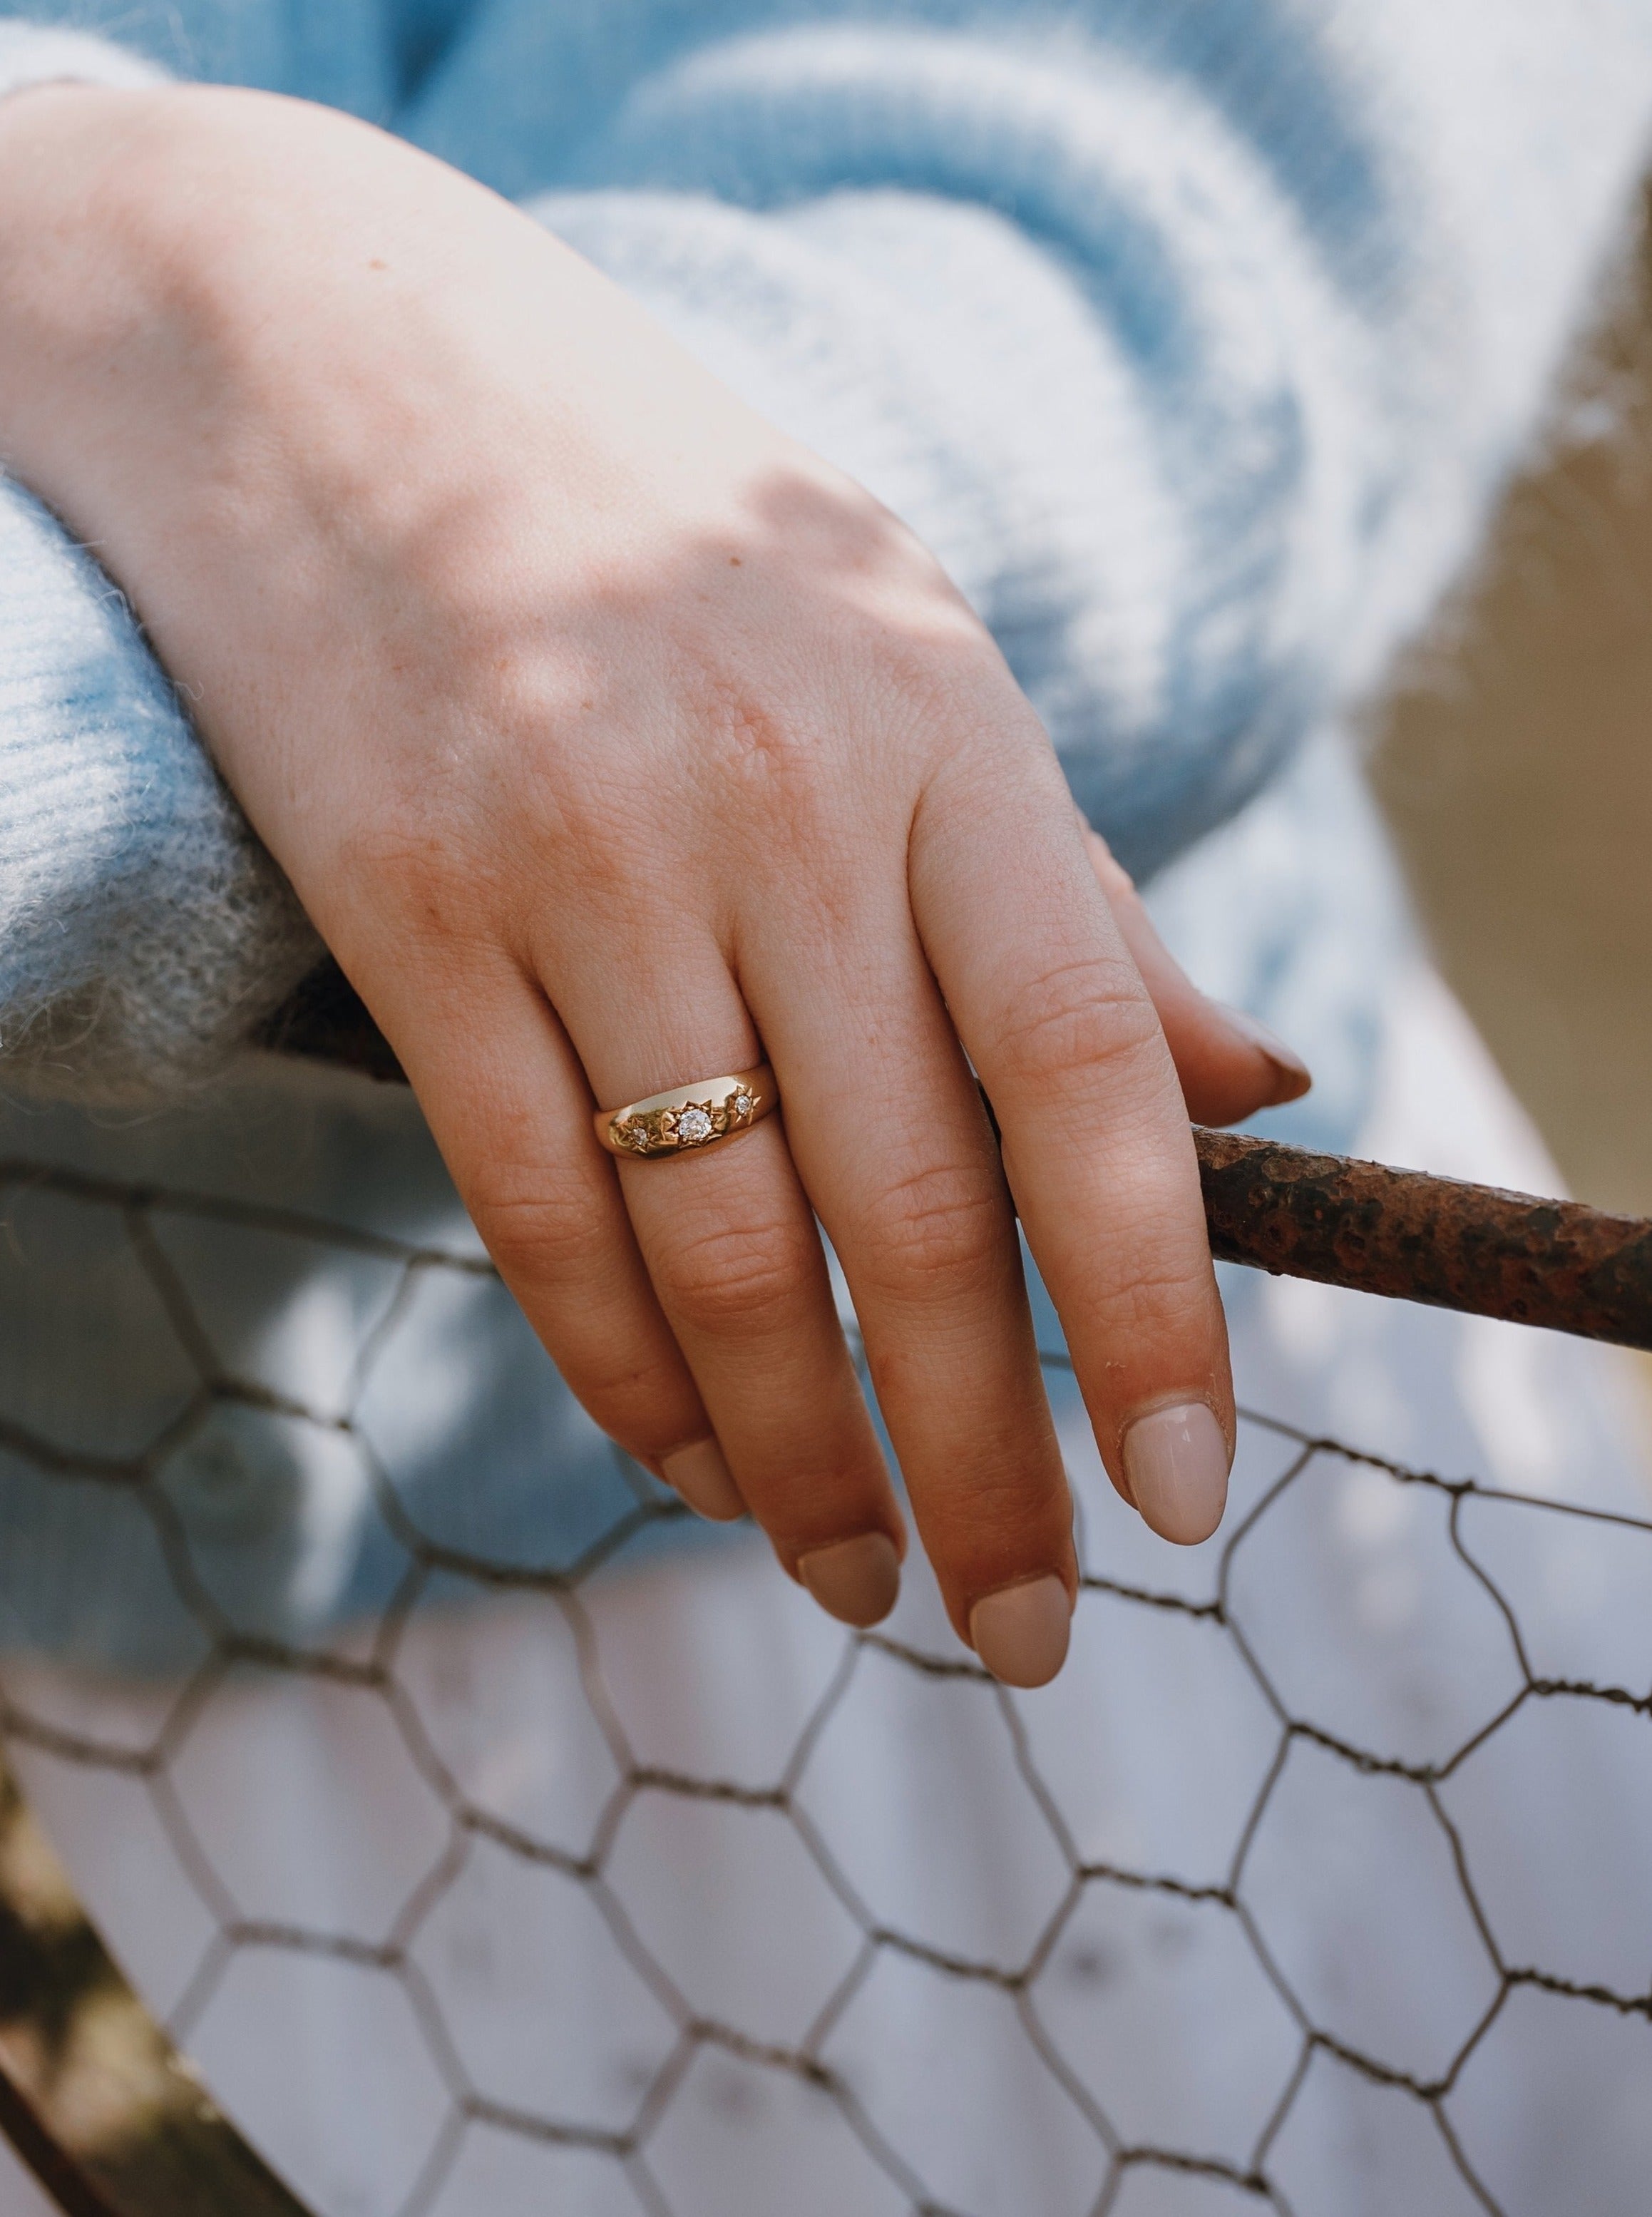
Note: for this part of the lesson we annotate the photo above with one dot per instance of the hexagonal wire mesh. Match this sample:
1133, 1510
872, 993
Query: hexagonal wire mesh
1199, 1895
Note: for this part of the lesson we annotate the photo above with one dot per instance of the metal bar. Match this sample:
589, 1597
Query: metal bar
1436, 1240
1398, 1233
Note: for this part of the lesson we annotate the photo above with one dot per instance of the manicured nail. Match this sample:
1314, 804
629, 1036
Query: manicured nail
1020, 1633
854, 1580
702, 1477
1177, 1460
1293, 1075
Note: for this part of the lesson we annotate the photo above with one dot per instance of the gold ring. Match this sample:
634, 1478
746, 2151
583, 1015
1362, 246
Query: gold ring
690, 1117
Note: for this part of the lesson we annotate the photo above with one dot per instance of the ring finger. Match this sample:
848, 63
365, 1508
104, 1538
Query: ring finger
729, 1238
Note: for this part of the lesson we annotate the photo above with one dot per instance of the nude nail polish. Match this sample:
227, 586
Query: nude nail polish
1293, 1075
1176, 1461
857, 1580
1020, 1633
705, 1481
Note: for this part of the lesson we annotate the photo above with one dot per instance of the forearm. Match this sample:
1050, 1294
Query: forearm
248, 345
144, 932
175, 379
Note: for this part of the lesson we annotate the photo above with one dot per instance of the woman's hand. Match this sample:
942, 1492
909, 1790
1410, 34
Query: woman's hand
612, 741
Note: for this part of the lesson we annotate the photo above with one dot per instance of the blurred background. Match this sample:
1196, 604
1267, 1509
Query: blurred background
1514, 763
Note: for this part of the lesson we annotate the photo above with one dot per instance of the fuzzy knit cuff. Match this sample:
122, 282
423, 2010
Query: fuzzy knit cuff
145, 932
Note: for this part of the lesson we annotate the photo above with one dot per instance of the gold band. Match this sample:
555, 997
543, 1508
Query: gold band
690, 1118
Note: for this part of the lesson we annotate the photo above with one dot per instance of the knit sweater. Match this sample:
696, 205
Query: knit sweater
1194, 336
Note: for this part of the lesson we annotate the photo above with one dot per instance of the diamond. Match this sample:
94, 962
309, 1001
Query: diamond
692, 1125
743, 1104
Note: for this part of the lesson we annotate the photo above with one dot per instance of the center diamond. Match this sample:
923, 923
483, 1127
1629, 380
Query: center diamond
692, 1125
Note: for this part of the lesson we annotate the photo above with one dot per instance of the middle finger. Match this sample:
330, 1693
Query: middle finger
894, 1148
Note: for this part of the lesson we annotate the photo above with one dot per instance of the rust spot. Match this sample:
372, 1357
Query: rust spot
1440, 1241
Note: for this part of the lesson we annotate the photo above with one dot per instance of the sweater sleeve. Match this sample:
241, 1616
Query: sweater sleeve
145, 932
1196, 337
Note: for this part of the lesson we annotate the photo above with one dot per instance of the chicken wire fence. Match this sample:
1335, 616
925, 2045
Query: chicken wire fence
1475, 1749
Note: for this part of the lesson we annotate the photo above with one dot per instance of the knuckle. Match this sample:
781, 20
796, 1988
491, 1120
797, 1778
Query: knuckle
935, 1234
643, 1400
1160, 1302
773, 767
737, 1281
765, 737
418, 862
1078, 1017
538, 1235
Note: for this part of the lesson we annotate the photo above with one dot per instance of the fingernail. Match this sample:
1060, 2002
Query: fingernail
1020, 1633
1177, 1461
854, 1580
1292, 1074
703, 1479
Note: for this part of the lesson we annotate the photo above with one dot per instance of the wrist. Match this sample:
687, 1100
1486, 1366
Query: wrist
172, 324
115, 283
95, 286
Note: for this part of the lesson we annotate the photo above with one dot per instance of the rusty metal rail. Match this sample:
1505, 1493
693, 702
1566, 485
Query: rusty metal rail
1437, 1240
1398, 1233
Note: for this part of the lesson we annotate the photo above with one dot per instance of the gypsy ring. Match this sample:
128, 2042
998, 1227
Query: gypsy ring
690, 1117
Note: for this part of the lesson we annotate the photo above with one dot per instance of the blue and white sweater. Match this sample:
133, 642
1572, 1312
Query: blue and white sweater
1195, 336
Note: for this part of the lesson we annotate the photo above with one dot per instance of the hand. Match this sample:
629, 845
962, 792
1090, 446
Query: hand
612, 741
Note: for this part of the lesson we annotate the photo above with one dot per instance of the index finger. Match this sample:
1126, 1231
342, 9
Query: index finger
1096, 1142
